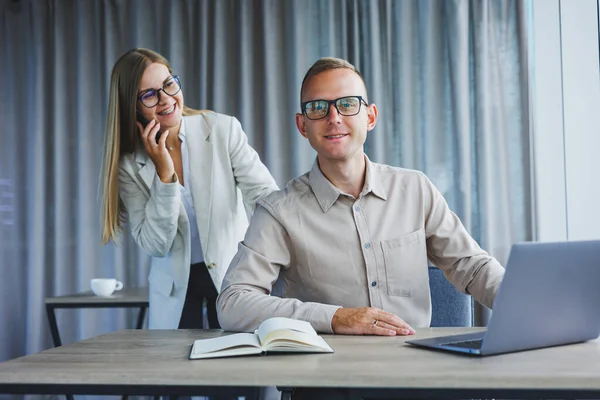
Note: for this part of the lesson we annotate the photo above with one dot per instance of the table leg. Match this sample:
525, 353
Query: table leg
286, 393
54, 333
139, 325
141, 317
53, 325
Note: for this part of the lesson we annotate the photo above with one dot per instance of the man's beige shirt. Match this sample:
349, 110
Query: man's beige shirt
327, 249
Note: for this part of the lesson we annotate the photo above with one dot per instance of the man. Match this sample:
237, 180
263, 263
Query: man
349, 241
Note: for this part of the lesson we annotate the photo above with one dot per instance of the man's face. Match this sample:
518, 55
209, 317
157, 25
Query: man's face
337, 138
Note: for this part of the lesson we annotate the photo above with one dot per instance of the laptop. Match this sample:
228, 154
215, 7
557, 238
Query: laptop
549, 296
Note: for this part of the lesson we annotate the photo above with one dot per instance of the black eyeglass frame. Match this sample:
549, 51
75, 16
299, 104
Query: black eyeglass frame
361, 101
173, 77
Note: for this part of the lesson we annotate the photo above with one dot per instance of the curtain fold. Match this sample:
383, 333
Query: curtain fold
449, 79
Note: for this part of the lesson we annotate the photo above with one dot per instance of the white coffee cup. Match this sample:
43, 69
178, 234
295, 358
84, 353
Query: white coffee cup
104, 287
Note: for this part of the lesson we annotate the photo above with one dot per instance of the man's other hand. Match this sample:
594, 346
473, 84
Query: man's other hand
368, 321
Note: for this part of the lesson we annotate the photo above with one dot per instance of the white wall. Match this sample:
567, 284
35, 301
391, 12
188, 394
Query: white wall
566, 107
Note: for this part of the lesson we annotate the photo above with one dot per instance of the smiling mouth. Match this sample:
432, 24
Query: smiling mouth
336, 136
168, 111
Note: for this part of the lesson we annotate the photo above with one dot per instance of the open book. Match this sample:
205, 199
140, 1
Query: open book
276, 334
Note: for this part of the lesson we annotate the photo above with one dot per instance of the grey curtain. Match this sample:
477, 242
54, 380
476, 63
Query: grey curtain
449, 78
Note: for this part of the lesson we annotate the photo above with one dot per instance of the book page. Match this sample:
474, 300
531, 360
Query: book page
231, 352
279, 323
224, 346
294, 341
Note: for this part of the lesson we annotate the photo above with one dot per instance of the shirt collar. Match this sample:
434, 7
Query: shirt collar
324, 190
327, 194
181, 134
373, 181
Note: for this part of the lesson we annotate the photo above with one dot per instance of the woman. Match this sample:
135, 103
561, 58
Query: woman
185, 181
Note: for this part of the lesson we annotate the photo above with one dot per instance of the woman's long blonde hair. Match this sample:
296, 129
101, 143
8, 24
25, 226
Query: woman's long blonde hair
122, 136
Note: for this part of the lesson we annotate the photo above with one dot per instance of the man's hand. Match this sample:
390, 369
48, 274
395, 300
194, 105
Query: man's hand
368, 321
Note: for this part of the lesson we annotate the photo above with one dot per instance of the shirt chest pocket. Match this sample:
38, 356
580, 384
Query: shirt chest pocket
405, 261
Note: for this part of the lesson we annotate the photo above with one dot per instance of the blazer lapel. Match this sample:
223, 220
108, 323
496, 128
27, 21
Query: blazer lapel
148, 171
200, 152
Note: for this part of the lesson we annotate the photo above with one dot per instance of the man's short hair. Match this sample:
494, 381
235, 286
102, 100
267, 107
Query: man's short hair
328, 64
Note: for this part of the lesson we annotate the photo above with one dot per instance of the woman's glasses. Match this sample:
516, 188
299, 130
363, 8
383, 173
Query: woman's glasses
151, 97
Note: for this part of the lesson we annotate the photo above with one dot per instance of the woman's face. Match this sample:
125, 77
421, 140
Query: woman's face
155, 87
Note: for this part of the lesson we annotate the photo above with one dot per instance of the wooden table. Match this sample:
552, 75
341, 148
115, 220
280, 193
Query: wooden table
126, 298
154, 362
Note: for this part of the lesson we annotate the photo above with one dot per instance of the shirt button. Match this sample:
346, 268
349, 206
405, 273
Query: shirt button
356, 208
373, 283
367, 245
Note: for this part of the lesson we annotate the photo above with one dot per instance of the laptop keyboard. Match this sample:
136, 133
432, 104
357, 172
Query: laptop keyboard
468, 344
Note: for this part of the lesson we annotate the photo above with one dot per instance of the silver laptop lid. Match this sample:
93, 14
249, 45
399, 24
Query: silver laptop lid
553, 299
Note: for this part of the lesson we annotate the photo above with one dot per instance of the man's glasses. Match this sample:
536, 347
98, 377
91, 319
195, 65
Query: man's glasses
151, 97
318, 109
